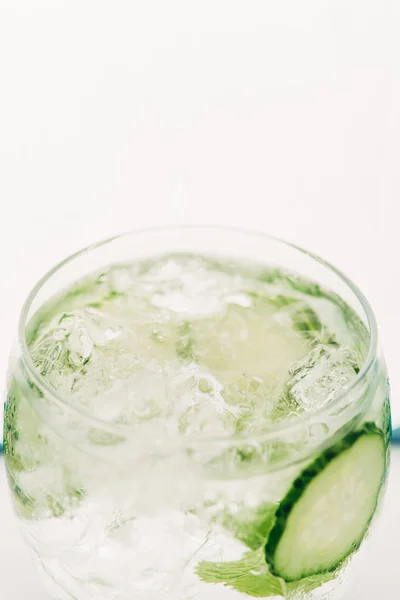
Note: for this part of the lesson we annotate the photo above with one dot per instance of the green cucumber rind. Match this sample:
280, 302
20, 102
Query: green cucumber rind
299, 486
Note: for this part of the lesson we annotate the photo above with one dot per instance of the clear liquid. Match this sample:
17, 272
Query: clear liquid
176, 350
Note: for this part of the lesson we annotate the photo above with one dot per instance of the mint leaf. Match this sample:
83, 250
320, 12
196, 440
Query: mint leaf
306, 321
249, 575
251, 526
229, 571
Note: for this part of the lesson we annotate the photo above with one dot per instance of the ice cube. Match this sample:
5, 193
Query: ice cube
321, 375
198, 404
101, 327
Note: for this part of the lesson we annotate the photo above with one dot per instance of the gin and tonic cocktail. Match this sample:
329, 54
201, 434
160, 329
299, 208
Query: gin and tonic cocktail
196, 414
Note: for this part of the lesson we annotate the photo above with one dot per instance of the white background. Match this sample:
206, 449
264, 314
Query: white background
281, 116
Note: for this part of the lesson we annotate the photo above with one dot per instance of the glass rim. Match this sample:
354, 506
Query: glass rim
281, 427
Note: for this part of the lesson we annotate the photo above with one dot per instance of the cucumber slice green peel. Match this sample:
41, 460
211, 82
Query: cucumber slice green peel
327, 512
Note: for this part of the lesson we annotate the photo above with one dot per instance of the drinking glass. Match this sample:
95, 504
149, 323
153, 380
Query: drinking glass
114, 512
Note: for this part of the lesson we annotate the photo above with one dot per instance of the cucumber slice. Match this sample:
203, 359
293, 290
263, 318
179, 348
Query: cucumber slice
327, 512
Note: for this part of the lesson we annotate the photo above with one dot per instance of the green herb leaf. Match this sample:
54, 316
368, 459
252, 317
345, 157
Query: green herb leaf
306, 320
250, 575
251, 526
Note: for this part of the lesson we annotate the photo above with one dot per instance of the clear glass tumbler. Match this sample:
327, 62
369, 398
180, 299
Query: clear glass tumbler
112, 513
